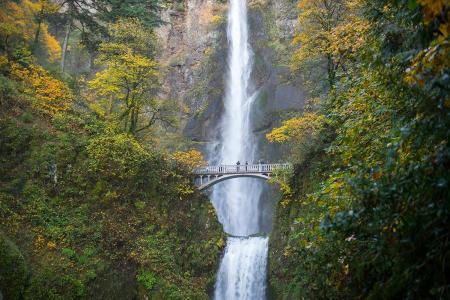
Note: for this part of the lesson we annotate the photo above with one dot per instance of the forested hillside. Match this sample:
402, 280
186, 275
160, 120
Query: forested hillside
106, 107
93, 202
366, 213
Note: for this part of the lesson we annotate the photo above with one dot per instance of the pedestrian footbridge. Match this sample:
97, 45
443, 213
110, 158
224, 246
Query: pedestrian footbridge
208, 176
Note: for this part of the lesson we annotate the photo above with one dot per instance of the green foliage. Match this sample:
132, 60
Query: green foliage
145, 11
132, 33
68, 252
126, 90
79, 189
368, 218
53, 207
8, 91
147, 279
115, 156
14, 146
14, 272
48, 284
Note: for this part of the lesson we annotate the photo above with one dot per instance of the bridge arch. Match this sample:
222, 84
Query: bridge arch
218, 179
211, 175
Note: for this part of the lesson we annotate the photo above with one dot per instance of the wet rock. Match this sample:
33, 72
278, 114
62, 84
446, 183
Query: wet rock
194, 62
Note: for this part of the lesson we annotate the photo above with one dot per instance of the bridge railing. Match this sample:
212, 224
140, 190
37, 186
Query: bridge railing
233, 169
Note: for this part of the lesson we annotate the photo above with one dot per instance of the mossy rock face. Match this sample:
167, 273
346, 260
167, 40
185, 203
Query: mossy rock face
13, 270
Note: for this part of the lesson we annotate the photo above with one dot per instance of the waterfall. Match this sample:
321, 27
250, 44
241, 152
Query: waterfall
242, 272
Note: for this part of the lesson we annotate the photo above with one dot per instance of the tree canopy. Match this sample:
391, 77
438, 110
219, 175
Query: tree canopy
372, 199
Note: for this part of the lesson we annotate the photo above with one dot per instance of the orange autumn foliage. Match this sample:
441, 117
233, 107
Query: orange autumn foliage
51, 44
18, 21
190, 159
303, 133
297, 129
50, 95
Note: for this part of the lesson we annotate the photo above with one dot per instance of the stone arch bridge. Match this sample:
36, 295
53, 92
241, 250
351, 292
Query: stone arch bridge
208, 176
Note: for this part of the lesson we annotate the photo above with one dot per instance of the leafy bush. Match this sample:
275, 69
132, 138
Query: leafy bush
147, 279
14, 274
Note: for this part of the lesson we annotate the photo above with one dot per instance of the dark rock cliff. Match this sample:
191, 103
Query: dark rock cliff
194, 64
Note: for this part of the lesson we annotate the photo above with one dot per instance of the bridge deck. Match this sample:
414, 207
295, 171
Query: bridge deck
239, 169
210, 175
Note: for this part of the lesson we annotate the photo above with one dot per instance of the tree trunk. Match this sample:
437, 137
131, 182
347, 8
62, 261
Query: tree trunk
331, 71
37, 33
40, 18
64, 47
130, 129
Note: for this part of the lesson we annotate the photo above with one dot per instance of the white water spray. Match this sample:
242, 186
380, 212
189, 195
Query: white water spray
242, 273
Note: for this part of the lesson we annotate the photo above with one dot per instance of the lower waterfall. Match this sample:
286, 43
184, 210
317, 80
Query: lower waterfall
243, 269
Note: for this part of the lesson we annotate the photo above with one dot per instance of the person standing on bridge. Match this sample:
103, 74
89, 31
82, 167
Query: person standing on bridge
246, 166
237, 165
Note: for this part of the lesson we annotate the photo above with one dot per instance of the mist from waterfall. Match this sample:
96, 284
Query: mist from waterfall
242, 272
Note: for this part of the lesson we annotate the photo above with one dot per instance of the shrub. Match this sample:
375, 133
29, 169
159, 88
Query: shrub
14, 272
